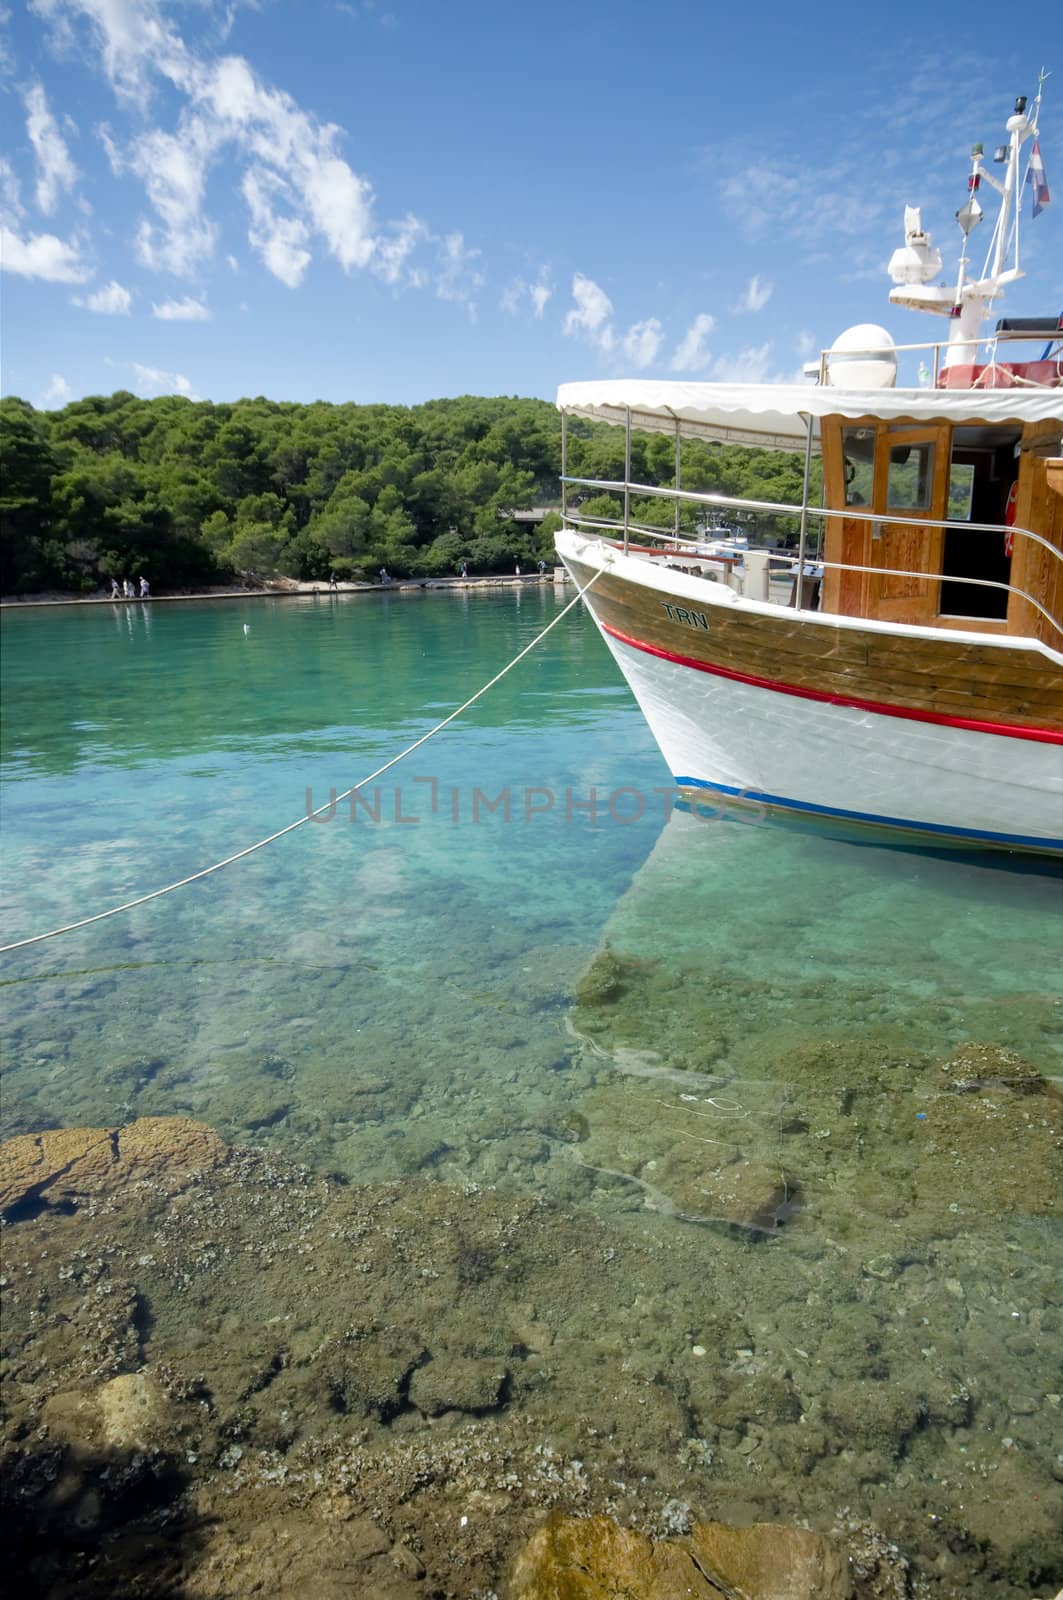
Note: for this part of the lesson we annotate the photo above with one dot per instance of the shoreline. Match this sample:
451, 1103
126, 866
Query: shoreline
289, 590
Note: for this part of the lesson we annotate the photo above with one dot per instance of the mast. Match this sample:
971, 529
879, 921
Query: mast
968, 302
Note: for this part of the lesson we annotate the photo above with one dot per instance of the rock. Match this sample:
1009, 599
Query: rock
457, 1383
65, 1160
370, 1377
592, 1558
63, 1164
408, 1561
293, 1554
129, 1412
989, 1066
134, 1412
770, 1562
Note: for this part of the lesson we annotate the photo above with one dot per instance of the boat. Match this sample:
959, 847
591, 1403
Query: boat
904, 673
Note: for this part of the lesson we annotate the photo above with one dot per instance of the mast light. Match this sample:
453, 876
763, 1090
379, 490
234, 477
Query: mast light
1001, 153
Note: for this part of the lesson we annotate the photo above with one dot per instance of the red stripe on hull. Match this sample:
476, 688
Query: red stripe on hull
1006, 730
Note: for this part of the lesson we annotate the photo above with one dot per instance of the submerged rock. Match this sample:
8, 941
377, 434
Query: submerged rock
457, 1383
130, 1412
989, 1066
608, 977
591, 1558
770, 1562
62, 1164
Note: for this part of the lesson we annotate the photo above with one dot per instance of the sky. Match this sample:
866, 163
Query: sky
397, 200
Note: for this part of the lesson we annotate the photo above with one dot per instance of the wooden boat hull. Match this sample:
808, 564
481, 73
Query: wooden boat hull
942, 736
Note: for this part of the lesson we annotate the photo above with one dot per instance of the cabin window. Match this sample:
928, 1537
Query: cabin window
961, 491
910, 484
858, 448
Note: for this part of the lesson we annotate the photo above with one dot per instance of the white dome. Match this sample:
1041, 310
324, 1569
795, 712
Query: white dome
863, 357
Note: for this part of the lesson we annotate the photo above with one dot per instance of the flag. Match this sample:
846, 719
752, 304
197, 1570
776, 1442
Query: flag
1035, 177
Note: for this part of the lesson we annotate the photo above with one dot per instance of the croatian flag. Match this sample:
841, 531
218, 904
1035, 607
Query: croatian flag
1035, 177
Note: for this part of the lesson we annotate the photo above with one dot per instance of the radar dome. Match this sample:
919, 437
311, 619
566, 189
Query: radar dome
862, 357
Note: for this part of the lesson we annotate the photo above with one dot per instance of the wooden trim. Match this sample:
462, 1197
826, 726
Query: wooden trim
943, 676
1033, 569
972, 624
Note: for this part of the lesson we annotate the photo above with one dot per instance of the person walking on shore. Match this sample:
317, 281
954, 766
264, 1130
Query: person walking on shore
116, 593
145, 588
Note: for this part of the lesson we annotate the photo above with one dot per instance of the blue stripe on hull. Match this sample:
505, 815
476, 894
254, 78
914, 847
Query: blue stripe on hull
937, 830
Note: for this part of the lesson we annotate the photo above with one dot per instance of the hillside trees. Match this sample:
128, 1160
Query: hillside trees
189, 492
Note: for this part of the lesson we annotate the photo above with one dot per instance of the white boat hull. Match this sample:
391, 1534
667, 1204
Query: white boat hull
745, 745
774, 752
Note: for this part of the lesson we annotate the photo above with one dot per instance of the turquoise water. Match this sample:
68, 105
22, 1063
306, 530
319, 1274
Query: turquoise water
141, 745
856, 1050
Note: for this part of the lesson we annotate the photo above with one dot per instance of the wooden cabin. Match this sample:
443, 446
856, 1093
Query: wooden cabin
995, 472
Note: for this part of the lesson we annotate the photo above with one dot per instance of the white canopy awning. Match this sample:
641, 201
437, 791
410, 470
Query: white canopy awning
772, 415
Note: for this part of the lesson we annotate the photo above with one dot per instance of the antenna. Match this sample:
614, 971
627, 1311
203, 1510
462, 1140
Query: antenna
1041, 77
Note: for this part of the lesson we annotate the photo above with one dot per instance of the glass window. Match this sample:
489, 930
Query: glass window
961, 491
910, 486
858, 447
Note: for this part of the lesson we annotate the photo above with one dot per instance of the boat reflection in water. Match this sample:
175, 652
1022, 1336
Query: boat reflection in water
831, 1065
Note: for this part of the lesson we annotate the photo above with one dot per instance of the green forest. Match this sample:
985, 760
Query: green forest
191, 493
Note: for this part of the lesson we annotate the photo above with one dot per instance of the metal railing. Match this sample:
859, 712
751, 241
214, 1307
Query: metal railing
936, 348
623, 529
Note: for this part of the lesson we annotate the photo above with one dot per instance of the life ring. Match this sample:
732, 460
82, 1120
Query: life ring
1009, 518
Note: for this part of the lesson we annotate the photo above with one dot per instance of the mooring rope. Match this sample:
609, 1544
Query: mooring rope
205, 872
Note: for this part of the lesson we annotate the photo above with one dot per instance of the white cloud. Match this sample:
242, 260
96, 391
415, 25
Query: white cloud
280, 241
750, 365
111, 301
394, 249
42, 255
132, 38
232, 263
805, 344
152, 381
10, 193
539, 293
590, 317
457, 278
691, 353
341, 204
758, 292
186, 310
297, 184
55, 170
835, 205
173, 170
110, 145
642, 341
57, 393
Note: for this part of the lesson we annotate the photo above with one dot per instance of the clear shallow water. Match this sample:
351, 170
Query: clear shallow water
786, 1029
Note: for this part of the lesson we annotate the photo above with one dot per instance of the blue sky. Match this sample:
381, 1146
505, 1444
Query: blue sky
400, 199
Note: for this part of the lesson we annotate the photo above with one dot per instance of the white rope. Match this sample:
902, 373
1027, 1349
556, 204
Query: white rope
156, 894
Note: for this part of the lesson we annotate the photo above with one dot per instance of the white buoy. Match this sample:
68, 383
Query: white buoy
247, 627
